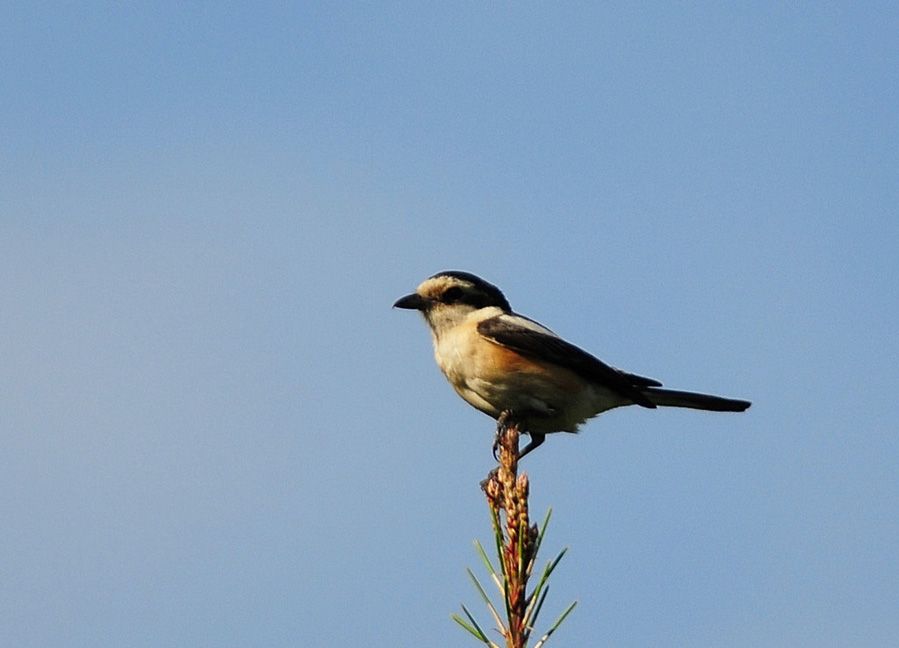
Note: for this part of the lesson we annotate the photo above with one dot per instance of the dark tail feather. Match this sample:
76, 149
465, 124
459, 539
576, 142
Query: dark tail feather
672, 398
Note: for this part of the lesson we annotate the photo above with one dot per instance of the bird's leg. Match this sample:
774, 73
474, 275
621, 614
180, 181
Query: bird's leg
504, 419
536, 440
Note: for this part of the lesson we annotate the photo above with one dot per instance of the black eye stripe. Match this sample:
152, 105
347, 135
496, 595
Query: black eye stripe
477, 292
459, 295
451, 295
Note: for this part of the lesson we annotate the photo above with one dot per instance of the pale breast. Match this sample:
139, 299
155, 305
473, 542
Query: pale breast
493, 378
455, 354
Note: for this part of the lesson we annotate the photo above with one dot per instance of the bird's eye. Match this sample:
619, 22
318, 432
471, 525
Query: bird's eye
452, 294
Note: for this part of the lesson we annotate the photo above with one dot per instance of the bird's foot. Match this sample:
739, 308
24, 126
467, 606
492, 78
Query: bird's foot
505, 419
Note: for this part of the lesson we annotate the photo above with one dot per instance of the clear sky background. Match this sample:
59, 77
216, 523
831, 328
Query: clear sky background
214, 431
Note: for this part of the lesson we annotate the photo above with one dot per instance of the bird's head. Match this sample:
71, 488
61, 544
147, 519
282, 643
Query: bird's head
447, 298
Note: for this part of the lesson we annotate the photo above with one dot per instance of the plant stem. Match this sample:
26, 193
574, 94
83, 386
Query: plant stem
507, 495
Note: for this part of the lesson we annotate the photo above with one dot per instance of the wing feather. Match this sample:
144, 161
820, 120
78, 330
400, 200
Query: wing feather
536, 341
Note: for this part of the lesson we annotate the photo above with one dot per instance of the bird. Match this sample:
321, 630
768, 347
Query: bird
508, 365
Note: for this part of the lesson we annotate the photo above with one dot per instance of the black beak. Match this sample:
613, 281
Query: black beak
411, 302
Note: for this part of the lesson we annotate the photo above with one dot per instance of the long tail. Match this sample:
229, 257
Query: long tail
672, 398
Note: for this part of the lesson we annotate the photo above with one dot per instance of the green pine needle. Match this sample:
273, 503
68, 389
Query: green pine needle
472, 626
487, 601
555, 626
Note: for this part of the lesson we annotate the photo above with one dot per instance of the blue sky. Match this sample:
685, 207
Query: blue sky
216, 432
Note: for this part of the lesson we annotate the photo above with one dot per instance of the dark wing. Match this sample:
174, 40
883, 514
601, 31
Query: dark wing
640, 381
531, 339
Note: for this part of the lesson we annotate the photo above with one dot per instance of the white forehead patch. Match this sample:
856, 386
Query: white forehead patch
436, 286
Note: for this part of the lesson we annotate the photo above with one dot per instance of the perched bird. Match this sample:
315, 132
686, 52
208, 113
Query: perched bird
499, 361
